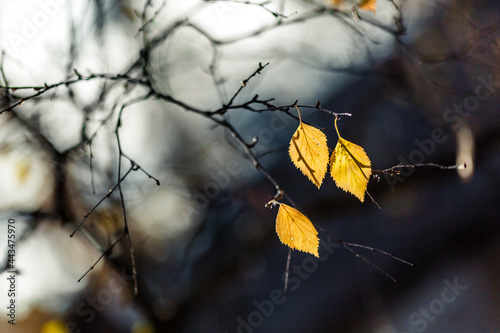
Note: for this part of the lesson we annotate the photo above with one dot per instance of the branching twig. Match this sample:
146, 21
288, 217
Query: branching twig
40, 90
85, 217
369, 248
147, 22
104, 253
244, 82
348, 246
139, 74
395, 170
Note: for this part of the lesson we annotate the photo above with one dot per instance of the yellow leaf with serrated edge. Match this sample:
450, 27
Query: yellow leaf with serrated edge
368, 5
296, 231
350, 167
309, 152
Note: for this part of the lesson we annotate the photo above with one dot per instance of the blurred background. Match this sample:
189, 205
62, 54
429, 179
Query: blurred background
420, 78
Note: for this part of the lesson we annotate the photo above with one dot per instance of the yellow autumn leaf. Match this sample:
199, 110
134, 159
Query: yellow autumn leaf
309, 152
296, 231
368, 5
350, 167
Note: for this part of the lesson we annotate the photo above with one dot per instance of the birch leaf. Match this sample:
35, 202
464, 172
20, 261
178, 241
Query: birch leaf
309, 152
350, 167
296, 231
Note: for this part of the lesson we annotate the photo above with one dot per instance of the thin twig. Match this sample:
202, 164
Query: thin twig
245, 81
259, 4
347, 246
287, 270
101, 201
395, 169
369, 248
104, 253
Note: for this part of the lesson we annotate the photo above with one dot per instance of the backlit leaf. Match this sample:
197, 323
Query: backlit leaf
296, 231
309, 152
368, 5
350, 167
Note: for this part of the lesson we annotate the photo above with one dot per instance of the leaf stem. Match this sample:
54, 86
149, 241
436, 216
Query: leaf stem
336, 128
300, 118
